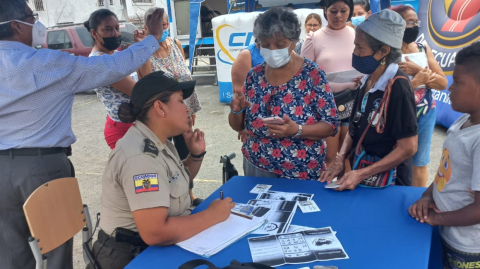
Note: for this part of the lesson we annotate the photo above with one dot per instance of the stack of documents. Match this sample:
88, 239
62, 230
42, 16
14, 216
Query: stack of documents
297, 247
221, 235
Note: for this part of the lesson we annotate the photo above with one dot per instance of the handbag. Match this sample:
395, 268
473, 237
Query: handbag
361, 159
344, 101
233, 265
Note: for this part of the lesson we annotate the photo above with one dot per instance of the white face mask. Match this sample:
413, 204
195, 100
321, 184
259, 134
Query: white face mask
275, 58
39, 32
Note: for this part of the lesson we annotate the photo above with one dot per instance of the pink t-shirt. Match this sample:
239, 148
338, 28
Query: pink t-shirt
331, 49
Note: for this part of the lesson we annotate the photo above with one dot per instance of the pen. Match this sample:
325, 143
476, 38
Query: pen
221, 195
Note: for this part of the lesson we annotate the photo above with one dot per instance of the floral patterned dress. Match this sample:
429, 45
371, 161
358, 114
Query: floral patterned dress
110, 97
174, 65
306, 99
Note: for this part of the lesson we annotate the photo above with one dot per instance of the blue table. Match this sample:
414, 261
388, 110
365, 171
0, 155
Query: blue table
373, 226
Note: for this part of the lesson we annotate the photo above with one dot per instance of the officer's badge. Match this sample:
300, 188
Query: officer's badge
174, 178
146, 183
150, 148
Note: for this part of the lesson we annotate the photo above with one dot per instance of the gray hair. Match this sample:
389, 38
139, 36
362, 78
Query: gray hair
150, 11
395, 55
11, 10
277, 21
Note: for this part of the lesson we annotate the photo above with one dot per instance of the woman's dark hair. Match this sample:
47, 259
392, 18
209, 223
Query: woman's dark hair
322, 3
277, 21
402, 9
331, 2
126, 111
97, 17
364, 3
394, 56
314, 16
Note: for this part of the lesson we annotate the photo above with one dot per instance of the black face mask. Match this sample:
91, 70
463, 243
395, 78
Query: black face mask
411, 34
112, 43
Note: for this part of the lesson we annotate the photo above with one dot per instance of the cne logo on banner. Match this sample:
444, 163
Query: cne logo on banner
231, 41
449, 26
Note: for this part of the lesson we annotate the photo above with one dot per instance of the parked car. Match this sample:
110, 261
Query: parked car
75, 38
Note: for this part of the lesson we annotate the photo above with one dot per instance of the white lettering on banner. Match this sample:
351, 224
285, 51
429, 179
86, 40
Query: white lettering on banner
442, 96
228, 95
445, 60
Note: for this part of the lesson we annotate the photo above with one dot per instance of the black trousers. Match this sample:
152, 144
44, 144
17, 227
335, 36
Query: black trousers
19, 177
110, 254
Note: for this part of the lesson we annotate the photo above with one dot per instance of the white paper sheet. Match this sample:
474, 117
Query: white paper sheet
343, 77
221, 235
285, 196
278, 214
294, 248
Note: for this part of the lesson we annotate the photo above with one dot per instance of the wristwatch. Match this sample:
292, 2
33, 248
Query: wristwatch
299, 133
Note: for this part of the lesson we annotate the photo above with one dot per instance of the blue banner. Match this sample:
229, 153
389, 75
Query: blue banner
194, 15
448, 26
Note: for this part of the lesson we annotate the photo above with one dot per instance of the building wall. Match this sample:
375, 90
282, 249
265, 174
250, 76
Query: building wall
78, 11
136, 11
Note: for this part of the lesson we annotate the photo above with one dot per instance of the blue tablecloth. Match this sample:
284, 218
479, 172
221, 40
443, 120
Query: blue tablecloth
373, 226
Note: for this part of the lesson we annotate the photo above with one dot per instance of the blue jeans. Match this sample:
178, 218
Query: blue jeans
426, 124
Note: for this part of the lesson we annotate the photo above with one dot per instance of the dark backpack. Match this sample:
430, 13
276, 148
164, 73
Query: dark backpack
233, 265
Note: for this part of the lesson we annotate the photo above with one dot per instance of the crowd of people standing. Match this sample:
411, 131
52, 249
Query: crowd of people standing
297, 126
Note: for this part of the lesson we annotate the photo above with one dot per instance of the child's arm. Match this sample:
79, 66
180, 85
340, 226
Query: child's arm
419, 210
467, 216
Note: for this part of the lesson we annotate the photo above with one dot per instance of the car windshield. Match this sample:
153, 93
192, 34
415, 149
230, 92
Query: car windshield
127, 32
85, 36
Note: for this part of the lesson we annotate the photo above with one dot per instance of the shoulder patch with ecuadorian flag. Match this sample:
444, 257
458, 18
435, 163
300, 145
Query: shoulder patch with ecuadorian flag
146, 183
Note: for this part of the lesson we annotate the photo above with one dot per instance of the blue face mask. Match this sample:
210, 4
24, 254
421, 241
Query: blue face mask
164, 36
357, 20
366, 65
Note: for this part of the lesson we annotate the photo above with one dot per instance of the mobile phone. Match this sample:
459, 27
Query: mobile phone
273, 120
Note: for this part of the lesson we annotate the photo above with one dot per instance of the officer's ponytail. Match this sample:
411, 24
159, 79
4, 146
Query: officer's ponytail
129, 113
125, 113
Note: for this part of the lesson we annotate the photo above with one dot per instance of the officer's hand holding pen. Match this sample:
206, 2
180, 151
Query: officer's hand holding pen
221, 208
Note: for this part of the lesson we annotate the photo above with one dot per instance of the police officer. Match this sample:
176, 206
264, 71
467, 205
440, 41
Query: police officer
145, 187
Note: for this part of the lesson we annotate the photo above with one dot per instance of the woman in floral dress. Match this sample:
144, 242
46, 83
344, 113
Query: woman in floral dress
170, 59
292, 88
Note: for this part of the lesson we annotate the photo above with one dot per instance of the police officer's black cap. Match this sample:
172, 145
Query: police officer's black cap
155, 83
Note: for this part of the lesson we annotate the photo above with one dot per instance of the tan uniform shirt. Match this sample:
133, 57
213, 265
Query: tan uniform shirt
141, 173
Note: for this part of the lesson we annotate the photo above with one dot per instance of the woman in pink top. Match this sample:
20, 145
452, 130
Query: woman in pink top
331, 47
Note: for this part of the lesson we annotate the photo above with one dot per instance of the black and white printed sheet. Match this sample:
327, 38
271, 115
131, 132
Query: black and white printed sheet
298, 247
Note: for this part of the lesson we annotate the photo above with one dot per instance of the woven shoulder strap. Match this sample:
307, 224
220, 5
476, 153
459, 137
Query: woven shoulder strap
382, 111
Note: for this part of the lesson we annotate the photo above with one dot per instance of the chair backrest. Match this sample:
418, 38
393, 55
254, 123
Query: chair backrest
54, 213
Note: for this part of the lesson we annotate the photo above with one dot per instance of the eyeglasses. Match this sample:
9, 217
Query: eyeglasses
414, 23
313, 25
33, 15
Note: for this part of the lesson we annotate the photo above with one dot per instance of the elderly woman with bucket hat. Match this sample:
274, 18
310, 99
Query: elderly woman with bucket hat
382, 136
